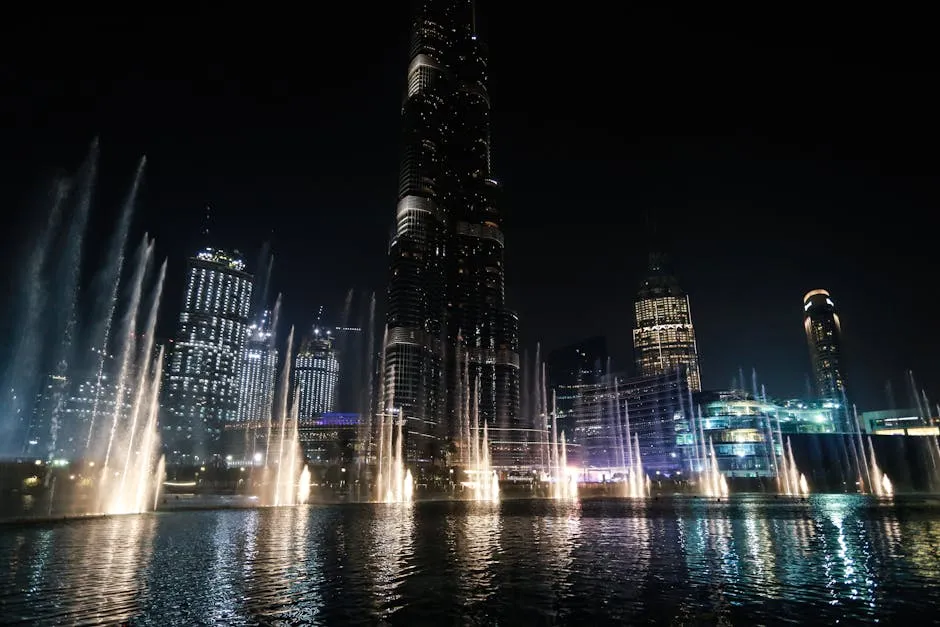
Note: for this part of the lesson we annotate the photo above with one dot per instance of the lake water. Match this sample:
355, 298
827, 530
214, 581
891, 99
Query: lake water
682, 561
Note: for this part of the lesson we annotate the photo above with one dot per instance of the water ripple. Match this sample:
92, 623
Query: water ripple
752, 560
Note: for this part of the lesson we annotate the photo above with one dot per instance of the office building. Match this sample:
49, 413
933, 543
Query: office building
257, 372
316, 374
202, 383
663, 335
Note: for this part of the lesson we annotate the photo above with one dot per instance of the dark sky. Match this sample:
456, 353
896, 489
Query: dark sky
778, 150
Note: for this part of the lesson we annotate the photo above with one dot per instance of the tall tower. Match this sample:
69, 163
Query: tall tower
446, 283
201, 389
316, 373
664, 338
824, 336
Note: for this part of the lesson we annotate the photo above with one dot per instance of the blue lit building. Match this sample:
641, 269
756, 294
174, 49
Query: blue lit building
655, 407
747, 433
330, 438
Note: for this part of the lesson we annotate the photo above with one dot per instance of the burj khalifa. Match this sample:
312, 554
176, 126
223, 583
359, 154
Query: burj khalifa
446, 306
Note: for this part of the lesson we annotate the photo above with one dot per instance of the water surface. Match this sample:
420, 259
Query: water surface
754, 560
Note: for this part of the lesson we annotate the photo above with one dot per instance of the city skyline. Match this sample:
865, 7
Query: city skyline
765, 266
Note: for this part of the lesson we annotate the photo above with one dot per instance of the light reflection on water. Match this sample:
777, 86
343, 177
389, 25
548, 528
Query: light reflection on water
754, 560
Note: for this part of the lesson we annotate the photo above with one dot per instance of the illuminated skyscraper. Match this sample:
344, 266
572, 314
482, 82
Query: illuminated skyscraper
447, 275
316, 374
202, 391
663, 338
824, 336
257, 372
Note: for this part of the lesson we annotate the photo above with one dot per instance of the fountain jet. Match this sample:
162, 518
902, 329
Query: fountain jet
394, 482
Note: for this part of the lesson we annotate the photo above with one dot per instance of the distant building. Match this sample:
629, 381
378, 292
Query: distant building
570, 368
202, 386
746, 432
656, 409
258, 369
898, 422
316, 374
330, 438
83, 407
663, 336
824, 337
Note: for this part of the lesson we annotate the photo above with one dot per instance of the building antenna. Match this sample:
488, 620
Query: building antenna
473, 18
205, 224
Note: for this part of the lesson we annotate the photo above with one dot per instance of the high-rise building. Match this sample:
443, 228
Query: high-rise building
202, 391
257, 372
570, 368
652, 409
316, 374
824, 336
664, 338
446, 300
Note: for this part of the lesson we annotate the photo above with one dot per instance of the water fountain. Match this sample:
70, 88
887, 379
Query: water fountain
303, 486
713, 483
282, 484
880, 483
394, 483
483, 482
118, 441
635, 482
564, 484
790, 481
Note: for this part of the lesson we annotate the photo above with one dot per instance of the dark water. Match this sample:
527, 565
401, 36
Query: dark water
755, 560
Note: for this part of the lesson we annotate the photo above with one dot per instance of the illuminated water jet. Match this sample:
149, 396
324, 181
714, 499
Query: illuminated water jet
303, 486
394, 483
280, 475
713, 483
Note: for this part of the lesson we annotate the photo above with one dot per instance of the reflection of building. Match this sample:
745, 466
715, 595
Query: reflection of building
655, 406
316, 374
663, 338
824, 336
330, 438
446, 264
201, 390
744, 430
258, 365
569, 369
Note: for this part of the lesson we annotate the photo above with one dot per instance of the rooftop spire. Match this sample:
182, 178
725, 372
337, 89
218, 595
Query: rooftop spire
205, 224
473, 18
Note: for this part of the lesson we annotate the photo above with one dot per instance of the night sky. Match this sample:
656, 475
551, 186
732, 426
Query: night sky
776, 152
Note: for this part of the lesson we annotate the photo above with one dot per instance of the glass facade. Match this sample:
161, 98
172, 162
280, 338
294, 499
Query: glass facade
663, 336
569, 369
747, 433
650, 408
447, 275
202, 383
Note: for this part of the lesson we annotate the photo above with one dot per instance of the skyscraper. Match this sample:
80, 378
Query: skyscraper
316, 374
664, 338
257, 371
202, 391
824, 336
446, 283
570, 369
